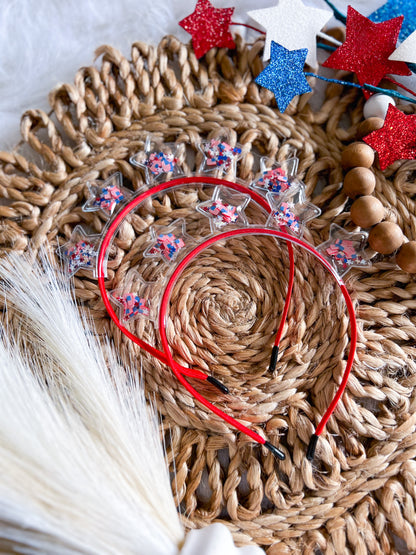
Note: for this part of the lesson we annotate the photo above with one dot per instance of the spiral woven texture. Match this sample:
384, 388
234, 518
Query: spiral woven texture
359, 495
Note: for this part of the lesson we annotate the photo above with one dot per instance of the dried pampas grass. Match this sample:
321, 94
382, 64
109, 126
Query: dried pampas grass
82, 469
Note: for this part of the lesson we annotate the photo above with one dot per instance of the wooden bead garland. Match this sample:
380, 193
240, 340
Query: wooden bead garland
367, 211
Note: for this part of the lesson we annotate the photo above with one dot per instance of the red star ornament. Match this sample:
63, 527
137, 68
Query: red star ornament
209, 27
396, 140
367, 48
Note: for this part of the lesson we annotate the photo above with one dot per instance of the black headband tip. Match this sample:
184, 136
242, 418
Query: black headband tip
218, 385
273, 358
310, 453
276, 452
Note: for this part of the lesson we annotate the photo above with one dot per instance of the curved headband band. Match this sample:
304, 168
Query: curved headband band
166, 355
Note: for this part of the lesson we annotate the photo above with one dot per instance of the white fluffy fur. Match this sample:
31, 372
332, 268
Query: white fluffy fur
81, 465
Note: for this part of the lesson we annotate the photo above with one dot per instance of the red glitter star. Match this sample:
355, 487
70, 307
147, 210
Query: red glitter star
367, 49
396, 140
209, 27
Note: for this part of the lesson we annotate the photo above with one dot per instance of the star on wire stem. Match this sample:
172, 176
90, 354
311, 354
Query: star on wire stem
367, 48
209, 27
344, 250
275, 177
284, 75
293, 25
396, 140
396, 8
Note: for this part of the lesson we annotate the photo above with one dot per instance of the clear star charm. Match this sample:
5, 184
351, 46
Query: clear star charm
290, 211
220, 157
159, 160
275, 177
224, 208
107, 196
344, 250
133, 298
80, 252
168, 241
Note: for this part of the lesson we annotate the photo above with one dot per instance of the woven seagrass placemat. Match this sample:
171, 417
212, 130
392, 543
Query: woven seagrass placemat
359, 495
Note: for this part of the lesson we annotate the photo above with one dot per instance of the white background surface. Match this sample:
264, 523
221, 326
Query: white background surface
44, 42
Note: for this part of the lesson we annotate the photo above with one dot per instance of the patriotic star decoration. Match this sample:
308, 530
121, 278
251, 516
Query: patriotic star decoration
219, 156
80, 252
168, 241
209, 27
133, 298
293, 25
106, 196
290, 211
158, 160
396, 140
275, 177
396, 8
367, 48
224, 208
284, 75
344, 250
406, 52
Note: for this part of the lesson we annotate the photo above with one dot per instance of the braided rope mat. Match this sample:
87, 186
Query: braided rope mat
360, 494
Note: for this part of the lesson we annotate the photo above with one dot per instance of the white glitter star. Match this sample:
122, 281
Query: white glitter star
293, 25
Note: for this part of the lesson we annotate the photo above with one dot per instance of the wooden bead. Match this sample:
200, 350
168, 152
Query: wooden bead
368, 126
385, 237
357, 154
367, 211
359, 181
406, 257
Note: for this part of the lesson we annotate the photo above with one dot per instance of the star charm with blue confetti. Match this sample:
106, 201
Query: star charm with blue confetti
284, 75
225, 207
168, 241
344, 250
290, 211
80, 252
106, 196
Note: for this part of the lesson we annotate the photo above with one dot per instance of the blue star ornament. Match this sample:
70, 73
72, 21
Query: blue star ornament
284, 75
395, 8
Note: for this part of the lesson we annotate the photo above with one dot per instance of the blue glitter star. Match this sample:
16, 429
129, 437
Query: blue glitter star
284, 74
395, 8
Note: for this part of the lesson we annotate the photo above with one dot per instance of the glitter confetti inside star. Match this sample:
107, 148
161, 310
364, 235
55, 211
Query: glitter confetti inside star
396, 140
293, 25
291, 211
284, 74
133, 306
106, 196
396, 8
219, 154
209, 27
225, 207
168, 241
344, 250
367, 48
80, 252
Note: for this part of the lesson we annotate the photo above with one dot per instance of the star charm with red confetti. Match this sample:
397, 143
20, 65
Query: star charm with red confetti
367, 49
396, 140
209, 27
